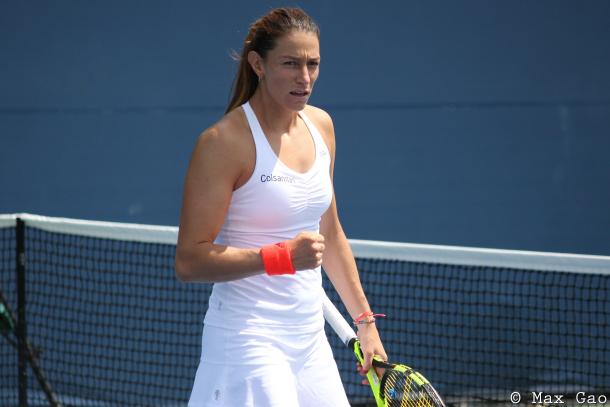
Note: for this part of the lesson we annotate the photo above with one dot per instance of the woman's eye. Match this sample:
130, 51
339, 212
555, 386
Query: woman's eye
295, 63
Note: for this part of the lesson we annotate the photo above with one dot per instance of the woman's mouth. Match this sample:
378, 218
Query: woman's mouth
300, 93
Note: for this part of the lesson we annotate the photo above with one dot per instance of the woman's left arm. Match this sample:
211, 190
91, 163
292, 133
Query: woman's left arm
340, 266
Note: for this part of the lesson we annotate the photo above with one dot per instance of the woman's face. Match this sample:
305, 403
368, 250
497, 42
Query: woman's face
290, 69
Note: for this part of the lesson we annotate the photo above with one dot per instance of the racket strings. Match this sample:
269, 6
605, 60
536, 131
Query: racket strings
402, 389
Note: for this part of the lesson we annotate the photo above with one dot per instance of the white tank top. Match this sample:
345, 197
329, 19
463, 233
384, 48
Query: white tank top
274, 205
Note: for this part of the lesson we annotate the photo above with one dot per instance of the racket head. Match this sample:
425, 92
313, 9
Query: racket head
402, 386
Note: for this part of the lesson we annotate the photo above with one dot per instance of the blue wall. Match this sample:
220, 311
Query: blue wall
471, 123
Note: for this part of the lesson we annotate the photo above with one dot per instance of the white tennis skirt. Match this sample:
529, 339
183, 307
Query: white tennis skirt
266, 370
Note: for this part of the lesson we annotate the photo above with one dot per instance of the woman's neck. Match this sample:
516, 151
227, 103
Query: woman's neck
275, 118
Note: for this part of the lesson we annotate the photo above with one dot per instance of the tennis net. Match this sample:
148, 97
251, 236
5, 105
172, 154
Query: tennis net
111, 326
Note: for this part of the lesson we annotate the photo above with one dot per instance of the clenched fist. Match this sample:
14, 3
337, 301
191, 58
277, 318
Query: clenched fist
306, 250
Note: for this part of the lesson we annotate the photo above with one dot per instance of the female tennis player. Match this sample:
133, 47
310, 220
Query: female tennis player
258, 220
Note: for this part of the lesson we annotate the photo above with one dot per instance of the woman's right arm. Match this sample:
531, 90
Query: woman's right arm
214, 168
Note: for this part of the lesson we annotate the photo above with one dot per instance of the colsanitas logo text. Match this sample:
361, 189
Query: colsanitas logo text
277, 178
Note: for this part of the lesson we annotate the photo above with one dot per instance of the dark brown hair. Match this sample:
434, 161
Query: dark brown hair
262, 38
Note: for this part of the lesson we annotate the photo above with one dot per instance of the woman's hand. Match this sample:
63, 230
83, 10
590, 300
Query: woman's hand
306, 250
370, 344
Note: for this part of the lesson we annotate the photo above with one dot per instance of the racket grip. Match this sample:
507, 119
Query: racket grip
371, 375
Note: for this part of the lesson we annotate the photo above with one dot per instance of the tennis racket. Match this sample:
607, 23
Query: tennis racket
400, 385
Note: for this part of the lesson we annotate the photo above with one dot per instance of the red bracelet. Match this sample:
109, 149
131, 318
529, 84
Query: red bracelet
360, 318
277, 260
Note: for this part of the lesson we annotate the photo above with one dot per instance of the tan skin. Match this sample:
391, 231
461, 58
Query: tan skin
223, 160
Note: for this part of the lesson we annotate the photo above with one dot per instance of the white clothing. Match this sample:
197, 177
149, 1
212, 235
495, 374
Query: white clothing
263, 341
274, 205
270, 371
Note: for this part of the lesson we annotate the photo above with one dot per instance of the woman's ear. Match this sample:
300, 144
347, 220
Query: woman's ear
256, 62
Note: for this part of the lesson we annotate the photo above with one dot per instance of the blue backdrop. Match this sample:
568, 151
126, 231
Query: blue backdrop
469, 123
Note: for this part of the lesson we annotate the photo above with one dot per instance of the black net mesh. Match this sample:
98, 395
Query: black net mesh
114, 327
111, 322
8, 354
485, 332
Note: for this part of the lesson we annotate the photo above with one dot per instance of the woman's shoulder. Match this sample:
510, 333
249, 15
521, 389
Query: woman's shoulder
318, 115
322, 120
229, 130
227, 138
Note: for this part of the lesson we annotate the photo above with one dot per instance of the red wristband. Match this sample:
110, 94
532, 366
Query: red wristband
277, 260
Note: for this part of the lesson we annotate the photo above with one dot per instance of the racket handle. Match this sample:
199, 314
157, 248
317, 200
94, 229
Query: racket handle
371, 375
